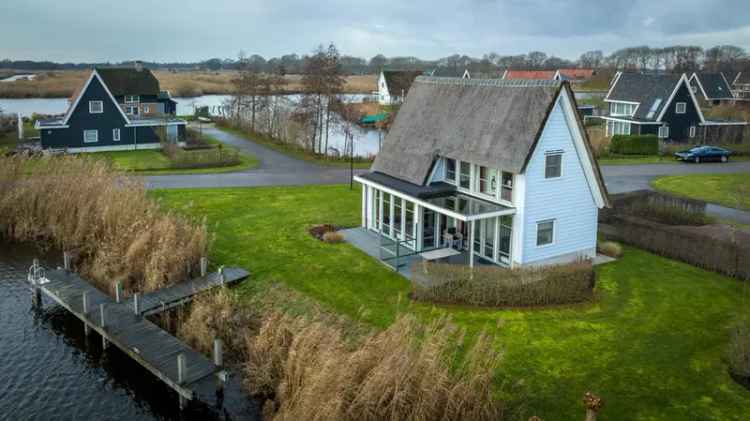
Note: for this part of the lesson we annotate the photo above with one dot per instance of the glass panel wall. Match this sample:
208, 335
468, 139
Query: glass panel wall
465, 175
386, 224
503, 247
397, 226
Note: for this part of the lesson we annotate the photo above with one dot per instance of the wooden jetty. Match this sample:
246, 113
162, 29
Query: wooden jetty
123, 325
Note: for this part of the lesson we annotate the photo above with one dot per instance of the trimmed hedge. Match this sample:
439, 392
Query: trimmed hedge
635, 144
499, 287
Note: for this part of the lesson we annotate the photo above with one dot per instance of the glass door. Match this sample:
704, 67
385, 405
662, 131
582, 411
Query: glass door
428, 230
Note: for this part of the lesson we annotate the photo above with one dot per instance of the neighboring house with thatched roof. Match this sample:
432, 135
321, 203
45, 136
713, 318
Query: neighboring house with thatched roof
530, 75
493, 171
663, 105
393, 85
711, 88
115, 109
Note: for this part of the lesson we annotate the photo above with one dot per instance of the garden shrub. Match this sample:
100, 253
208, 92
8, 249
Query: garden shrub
634, 145
610, 248
496, 286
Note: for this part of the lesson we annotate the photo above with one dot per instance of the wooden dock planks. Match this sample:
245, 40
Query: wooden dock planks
152, 347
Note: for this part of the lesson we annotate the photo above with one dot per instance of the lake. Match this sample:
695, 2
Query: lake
51, 370
366, 141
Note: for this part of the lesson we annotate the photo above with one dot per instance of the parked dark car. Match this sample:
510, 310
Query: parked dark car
704, 154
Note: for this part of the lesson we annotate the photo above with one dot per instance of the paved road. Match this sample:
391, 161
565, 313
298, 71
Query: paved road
277, 169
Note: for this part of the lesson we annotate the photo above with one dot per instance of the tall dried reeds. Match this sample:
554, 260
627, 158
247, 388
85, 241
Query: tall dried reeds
117, 232
410, 371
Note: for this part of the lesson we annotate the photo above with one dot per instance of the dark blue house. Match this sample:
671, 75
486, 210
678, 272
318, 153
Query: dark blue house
116, 109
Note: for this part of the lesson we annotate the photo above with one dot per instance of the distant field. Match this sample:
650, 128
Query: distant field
61, 84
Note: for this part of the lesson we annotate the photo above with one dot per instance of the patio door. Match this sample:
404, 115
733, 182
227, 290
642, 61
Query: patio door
484, 238
429, 230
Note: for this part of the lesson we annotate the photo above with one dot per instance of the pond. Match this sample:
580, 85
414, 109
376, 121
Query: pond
51, 370
366, 141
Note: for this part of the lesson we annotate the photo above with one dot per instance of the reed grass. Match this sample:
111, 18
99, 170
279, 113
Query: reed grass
117, 233
410, 371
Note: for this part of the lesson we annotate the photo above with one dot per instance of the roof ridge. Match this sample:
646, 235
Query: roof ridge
502, 83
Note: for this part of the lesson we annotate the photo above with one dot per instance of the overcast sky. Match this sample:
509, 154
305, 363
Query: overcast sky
192, 30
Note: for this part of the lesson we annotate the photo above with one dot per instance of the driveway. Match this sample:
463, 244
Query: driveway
277, 169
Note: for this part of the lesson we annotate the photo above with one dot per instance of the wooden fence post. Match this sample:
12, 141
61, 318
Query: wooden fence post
181, 377
204, 266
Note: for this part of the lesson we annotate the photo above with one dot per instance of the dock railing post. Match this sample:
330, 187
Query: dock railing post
136, 304
204, 266
181, 377
66, 260
219, 362
105, 343
221, 275
118, 291
36, 291
85, 308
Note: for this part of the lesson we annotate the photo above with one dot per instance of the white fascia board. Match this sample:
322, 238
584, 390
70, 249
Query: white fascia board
581, 150
617, 79
622, 102
605, 117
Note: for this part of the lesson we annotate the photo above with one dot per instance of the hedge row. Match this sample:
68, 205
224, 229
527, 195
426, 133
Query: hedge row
496, 286
634, 144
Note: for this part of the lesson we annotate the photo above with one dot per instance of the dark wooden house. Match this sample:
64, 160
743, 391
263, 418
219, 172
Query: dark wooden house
115, 109
663, 105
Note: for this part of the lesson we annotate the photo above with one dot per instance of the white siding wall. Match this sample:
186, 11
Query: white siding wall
568, 199
384, 98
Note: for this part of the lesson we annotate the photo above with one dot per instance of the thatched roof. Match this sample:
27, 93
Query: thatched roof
488, 122
399, 81
129, 81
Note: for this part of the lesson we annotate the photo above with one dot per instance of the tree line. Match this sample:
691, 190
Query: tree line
671, 58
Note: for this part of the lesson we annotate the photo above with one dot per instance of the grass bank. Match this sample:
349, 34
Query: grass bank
731, 190
154, 162
652, 343
295, 151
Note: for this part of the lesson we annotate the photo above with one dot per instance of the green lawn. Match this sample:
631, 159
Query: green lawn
298, 153
732, 190
651, 345
153, 162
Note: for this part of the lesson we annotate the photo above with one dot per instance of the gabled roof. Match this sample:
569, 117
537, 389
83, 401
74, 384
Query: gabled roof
651, 91
529, 75
712, 86
80, 93
399, 81
742, 78
129, 81
576, 74
494, 123
446, 71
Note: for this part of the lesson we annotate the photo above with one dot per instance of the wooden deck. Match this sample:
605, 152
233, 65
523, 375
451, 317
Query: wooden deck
149, 345
178, 294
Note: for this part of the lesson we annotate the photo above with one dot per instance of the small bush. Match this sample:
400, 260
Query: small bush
610, 248
635, 145
670, 214
333, 237
496, 286
739, 349
411, 371
319, 231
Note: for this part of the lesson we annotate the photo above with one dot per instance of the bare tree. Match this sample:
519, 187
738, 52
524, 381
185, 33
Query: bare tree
591, 59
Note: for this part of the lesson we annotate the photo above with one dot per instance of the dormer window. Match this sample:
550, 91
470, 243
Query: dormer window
680, 107
450, 170
465, 181
132, 99
96, 107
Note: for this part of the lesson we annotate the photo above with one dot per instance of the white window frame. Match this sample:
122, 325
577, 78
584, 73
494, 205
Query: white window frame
132, 110
146, 109
680, 107
549, 154
132, 99
663, 132
85, 137
554, 232
115, 135
692, 131
93, 103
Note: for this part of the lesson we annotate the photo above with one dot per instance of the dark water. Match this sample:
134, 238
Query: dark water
50, 370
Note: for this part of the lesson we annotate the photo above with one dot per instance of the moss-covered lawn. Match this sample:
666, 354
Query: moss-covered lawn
651, 345
732, 190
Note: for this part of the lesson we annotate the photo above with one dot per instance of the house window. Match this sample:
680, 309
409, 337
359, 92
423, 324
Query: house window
507, 190
465, 175
397, 226
617, 127
96, 107
146, 109
692, 131
90, 136
553, 165
131, 110
680, 107
132, 99
487, 180
663, 132
116, 135
450, 169
545, 233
